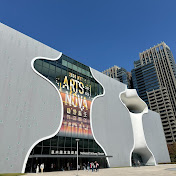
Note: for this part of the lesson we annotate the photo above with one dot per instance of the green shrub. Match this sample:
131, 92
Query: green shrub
12, 174
168, 163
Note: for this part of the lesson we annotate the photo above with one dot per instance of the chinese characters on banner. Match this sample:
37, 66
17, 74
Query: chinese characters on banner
76, 103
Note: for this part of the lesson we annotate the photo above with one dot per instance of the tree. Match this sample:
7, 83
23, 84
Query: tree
172, 151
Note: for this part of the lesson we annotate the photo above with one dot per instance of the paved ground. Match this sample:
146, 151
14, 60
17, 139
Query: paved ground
160, 170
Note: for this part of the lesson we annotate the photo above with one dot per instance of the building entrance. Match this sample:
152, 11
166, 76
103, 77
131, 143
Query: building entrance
62, 163
137, 160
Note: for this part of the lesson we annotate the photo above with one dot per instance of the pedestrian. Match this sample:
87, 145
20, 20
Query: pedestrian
97, 166
78, 167
42, 167
52, 166
92, 166
134, 163
35, 166
88, 166
37, 169
138, 163
84, 166
68, 166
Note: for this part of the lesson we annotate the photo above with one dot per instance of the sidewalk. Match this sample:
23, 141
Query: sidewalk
160, 170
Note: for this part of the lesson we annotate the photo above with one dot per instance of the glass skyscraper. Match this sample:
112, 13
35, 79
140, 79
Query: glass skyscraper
120, 74
154, 77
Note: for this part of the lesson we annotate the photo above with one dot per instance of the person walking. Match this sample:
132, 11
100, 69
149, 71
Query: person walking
71, 166
88, 166
97, 166
68, 166
135, 164
42, 167
84, 166
92, 166
37, 169
52, 166
78, 166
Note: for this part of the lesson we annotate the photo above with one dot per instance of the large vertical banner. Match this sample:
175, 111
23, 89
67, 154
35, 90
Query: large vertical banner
76, 97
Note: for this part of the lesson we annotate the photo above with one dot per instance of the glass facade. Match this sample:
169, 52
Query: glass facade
154, 78
63, 145
124, 77
120, 74
145, 80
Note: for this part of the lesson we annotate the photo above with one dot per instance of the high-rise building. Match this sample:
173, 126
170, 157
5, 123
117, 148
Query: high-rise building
119, 74
154, 77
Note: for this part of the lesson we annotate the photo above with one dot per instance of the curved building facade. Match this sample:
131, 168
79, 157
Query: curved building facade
49, 100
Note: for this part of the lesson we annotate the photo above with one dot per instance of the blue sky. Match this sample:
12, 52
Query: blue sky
98, 33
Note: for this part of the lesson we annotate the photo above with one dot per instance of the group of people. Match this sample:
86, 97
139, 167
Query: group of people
94, 166
40, 167
136, 163
69, 166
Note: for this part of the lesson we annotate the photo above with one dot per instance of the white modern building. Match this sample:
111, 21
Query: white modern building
48, 100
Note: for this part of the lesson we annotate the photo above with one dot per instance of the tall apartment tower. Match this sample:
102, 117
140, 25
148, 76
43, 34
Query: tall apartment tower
154, 77
119, 74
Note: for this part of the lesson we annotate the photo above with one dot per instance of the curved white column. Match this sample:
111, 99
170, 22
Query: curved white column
59, 126
91, 116
137, 107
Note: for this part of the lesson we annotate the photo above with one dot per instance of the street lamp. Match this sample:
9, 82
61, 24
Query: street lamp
77, 140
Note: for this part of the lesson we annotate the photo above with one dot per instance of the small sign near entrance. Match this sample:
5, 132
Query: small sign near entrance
61, 152
92, 153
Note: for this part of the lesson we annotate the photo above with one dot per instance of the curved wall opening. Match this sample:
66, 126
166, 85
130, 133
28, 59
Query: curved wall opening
132, 101
59, 153
137, 107
136, 160
77, 88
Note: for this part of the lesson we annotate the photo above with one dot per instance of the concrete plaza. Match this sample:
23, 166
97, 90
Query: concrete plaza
159, 170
